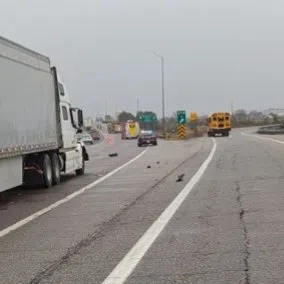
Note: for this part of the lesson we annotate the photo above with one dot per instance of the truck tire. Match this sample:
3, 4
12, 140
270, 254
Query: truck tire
47, 171
226, 133
55, 163
81, 171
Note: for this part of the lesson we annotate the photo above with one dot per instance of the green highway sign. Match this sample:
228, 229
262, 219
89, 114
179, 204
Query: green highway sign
147, 117
181, 117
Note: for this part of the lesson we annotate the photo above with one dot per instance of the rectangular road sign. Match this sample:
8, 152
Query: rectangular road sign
181, 116
147, 117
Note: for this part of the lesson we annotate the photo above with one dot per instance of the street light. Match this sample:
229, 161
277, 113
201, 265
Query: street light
163, 88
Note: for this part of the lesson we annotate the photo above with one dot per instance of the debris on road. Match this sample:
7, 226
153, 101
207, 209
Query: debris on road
148, 167
180, 178
158, 162
113, 155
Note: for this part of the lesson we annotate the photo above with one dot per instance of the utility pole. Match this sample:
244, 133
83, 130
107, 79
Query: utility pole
232, 112
163, 94
114, 110
138, 105
105, 108
232, 107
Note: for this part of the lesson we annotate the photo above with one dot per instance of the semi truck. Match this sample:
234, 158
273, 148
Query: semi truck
39, 127
130, 129
219, 123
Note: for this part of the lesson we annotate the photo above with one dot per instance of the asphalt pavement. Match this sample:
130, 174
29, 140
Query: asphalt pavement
228, 229
21, 202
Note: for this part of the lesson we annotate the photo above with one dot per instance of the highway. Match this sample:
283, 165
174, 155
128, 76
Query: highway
128, 219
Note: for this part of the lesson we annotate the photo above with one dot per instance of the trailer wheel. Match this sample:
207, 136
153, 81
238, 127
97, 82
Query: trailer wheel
55, 169
81, 171
47, 171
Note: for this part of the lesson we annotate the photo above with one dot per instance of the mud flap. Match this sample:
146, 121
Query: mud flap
85, 154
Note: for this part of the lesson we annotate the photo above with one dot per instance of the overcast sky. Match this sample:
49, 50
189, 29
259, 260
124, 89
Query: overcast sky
215, 51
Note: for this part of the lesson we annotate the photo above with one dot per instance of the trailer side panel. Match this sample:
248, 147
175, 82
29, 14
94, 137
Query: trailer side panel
28, 122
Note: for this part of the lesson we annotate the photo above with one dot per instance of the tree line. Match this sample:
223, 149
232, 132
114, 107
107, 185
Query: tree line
240, 118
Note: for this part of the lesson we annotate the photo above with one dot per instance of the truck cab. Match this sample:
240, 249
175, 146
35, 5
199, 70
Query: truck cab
71, 124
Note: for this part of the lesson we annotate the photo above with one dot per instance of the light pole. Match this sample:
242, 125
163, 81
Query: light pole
163, 89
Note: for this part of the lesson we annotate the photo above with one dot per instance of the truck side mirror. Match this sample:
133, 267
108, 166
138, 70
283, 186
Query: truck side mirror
80, 118
77, 118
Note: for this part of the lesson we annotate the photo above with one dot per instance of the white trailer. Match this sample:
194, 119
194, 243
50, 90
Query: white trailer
37, 123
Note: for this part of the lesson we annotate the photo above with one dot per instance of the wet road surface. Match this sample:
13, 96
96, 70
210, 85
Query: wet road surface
229, 229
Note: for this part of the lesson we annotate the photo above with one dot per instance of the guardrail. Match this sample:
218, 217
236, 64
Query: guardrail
271, 129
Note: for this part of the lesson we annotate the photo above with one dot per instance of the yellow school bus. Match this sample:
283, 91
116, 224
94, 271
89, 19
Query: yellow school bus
219, 123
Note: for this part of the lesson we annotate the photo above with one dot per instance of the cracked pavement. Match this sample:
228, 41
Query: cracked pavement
230, 229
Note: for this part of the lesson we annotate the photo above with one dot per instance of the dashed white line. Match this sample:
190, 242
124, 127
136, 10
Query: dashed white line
263, 138
39, 213
127, 265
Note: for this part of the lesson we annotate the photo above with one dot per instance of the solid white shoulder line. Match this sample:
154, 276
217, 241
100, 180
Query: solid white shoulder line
66, 199
126, 266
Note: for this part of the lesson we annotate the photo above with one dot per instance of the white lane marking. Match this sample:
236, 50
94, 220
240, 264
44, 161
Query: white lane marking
67, 198
126, 266
263, 138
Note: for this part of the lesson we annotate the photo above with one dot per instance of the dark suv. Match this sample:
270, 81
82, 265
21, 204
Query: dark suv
147, 138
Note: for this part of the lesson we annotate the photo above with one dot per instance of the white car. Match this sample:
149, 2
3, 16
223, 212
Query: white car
86, 138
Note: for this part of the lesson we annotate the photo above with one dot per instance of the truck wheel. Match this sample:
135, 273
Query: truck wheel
55, 169
81, 171
47, 171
